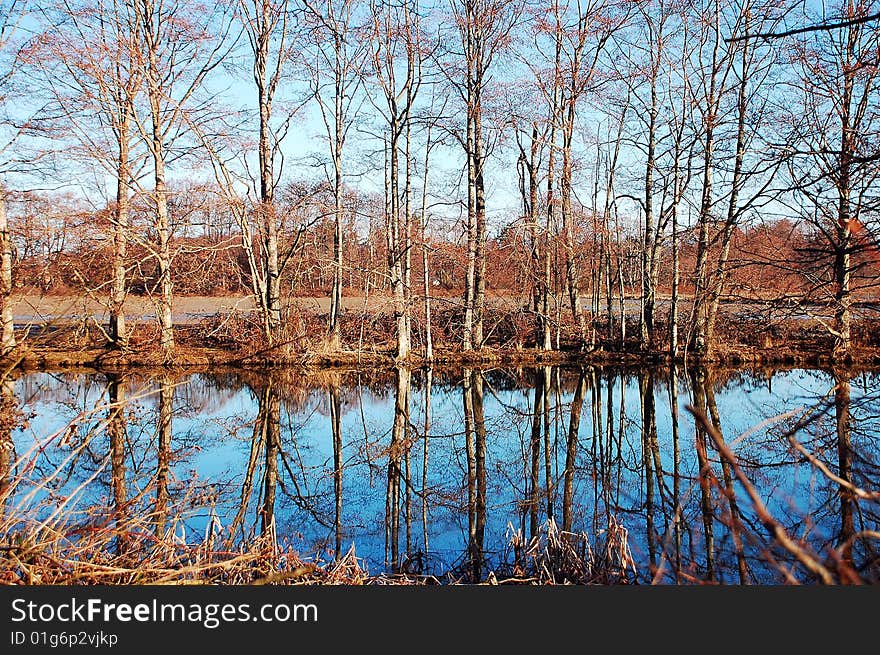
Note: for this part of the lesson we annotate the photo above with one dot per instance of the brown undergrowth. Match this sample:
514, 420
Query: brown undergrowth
368, 339
65, 550
105, 555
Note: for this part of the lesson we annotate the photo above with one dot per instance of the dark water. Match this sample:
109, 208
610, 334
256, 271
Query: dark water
335, 460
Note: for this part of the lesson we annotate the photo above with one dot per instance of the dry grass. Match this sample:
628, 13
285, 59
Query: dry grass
554, 556
35, 554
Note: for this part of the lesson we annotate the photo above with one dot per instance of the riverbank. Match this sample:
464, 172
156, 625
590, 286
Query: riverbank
45, 358
43, 355
232, 337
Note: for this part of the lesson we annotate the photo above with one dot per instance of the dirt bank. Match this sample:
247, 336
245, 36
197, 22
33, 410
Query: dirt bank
223, 331
43, 358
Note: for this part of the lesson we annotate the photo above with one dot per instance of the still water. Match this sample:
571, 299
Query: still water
442, 472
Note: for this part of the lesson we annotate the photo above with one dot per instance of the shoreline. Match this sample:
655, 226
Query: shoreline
229, 338
188, 357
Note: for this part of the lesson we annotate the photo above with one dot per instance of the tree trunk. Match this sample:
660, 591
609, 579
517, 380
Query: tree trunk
717, 286
163, 448
565, 184
676, 278
546, 343
269, 223
701, 282
843, 229
574, 423
272, 272
156, 145
646, 333
271, 415
116, 433
407, 232
398, 255
338, 245
621, 294
426, 278
480, 225
535, 246
118, 332
163, 230
7, 324
470, 291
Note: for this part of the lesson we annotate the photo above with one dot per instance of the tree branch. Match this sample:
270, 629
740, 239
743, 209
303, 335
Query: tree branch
819, 27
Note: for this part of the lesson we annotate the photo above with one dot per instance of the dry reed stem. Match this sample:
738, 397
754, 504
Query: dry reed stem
803, 555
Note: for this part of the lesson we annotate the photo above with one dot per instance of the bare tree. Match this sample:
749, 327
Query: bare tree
655, 28
484, 28
7, 324
743, 105
267, 24
582, 31
833, 137
530, 142
645, 76
182, 43
87, 61
335, 63
397, 56
10, 15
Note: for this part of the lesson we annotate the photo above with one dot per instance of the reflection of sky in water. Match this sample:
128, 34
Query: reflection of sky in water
213, 425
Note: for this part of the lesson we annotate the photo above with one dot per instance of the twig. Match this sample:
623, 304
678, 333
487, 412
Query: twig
820, 27
819, 464
771, 524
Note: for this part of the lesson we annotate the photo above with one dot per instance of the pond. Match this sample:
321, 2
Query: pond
452, 473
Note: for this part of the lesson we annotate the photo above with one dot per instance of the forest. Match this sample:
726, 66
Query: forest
429, 292
581, 176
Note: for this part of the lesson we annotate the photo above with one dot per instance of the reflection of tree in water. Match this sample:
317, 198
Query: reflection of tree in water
10, 418
109, 462
165, 411
336, 426
116, 432
475, 439
724, 508
841, 435
843, 432
571, 451
588, 448
398, 458
206, 394
274, 463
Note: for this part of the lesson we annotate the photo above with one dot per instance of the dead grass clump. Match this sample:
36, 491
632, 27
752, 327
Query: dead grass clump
555, 556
